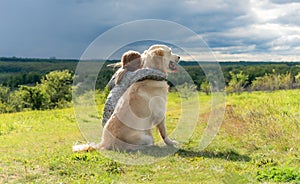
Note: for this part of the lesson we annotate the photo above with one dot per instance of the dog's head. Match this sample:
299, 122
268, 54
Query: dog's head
160, 57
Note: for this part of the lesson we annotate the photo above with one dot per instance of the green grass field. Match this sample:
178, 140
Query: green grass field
259, 141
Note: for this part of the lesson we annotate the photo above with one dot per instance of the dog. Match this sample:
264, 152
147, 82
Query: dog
141, 107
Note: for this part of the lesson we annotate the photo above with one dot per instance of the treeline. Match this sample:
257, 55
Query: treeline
30, 78
51, 59
30, 85
29, 72
15, 73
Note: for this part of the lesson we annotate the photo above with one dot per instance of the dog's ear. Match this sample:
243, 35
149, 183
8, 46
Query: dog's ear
157, 59
158, 52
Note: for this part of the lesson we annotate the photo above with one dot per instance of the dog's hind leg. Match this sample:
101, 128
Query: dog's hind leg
146, 140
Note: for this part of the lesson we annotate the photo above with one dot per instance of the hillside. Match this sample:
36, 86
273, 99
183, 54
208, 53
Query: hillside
257, 142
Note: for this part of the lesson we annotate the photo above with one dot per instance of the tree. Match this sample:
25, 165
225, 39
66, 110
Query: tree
57, 86
186, 90
297, 80
33, 98
15, 101
4, 93
205, 87
237, 83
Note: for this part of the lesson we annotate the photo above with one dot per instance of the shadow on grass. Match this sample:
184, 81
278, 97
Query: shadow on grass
230, 155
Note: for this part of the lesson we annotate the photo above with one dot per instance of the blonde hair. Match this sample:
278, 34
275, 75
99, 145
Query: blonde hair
131, 61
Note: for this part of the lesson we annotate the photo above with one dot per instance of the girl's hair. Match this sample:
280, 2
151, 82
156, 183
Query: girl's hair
131, 61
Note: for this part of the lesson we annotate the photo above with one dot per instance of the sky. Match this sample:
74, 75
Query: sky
234, 30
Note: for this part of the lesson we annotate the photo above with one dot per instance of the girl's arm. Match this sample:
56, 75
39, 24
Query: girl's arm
147, 73
111, 84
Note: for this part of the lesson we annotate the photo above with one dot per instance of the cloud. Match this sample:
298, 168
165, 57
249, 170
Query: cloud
284, 1
270, 31
237, 30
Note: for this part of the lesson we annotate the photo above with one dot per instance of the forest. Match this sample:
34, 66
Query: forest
27, 83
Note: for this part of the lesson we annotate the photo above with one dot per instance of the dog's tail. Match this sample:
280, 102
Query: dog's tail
86, 147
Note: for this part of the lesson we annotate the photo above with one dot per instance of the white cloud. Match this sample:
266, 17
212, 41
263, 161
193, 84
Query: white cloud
264, 11
271, 34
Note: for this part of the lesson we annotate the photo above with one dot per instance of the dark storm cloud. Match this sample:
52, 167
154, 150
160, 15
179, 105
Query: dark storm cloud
65, 28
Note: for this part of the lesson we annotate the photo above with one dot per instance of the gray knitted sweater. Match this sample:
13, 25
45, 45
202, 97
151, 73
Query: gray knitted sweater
128, 79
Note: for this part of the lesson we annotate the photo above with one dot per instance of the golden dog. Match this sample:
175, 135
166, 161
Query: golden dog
141, 107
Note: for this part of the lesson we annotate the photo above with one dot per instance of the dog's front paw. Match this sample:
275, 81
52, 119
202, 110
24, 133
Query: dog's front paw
170, 142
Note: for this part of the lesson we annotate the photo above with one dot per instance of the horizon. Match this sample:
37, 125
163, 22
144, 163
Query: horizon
10, 59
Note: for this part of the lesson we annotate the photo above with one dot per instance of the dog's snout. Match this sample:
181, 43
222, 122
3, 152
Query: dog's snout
178, 58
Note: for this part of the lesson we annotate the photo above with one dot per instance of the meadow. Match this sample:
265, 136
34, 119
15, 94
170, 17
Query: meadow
258, 141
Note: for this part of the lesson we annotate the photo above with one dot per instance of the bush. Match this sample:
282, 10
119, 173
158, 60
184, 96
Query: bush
4, 94
33, 98
237, 83
15, 101
297, 80
276, 174
186, 90
273, 81
54, 91
205, 87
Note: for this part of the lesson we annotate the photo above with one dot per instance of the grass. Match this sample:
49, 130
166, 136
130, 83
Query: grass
257, 142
